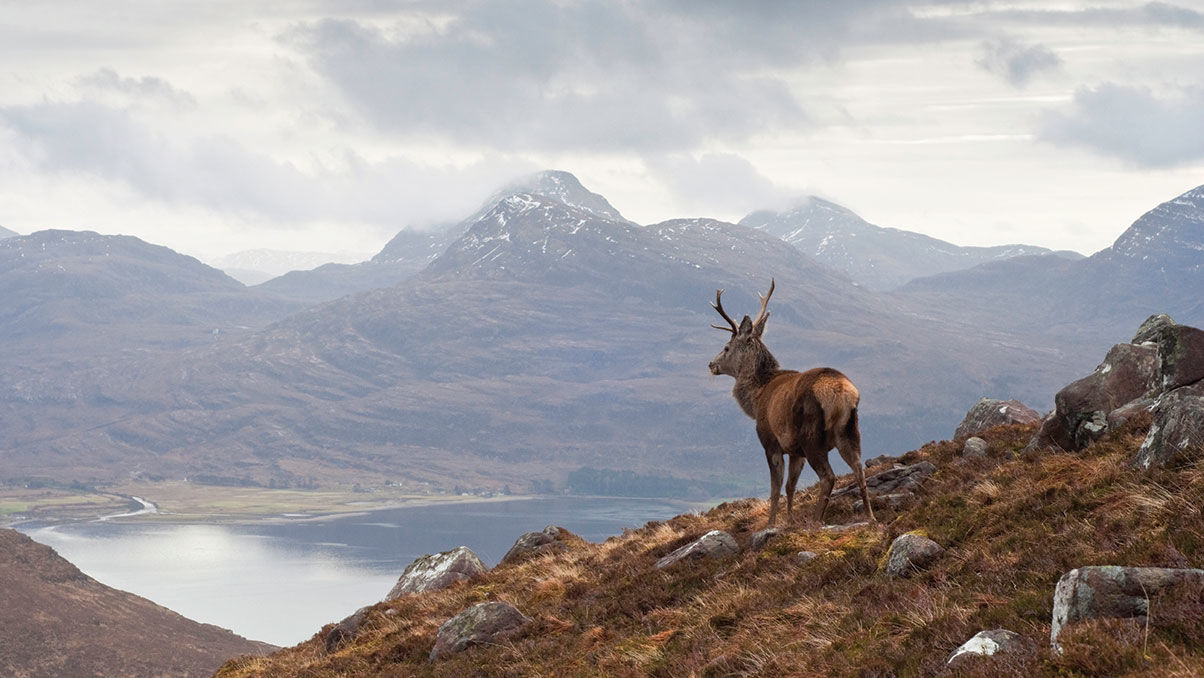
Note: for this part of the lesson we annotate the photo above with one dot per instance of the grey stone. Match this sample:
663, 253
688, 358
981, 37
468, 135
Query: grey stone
1151, 327
551, 539
1125, 413
433, 572
1081, 409
1177, 432
880, 459
1180, 355
974, 448
481, 623
898, 479
759, 539
888, 501
346, 630
1000, 645
713, 544
1109, 591
988, 413
806, 556
846, 526
909, 552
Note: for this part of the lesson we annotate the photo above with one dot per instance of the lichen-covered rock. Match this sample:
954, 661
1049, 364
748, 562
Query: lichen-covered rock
759, 539
1151, 327
433, 572
806, 556
346, 630
974, 447
910, 552
1177, 432
896, 480
551, 539
1006, 651
1081, 409
482, 623
713, 544
1128, 412
1180, 356
988, 412
892, 502
1111, 591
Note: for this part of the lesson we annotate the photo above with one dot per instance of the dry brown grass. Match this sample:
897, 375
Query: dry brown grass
1012, 526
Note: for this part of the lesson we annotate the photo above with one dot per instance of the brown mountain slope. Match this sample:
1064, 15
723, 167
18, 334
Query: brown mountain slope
57, 621
1012, 524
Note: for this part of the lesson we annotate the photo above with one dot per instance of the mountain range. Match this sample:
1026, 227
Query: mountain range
549, 334
881, 258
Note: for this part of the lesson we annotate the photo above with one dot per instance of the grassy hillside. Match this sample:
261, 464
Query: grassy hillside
1012, 525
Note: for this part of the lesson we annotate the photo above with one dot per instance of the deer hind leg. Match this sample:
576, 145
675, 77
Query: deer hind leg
819, 462
796, 467
850, 451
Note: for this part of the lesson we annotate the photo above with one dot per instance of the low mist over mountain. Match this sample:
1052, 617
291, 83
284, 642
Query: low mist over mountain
881, 258
57, 621
1156, 265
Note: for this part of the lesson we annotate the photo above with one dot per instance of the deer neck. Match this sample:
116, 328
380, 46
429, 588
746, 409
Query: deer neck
750, 382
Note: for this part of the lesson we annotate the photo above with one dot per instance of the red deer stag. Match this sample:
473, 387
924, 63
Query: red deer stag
801, 415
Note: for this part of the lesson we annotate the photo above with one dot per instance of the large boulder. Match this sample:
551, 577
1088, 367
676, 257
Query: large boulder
988, 413
713, 544
551, 539
910, 552
1006, 651
433, 572
898, 480
1148, 332
482, 623
346, 630
1081, 409
1109, 591
1177, 432
1180, 355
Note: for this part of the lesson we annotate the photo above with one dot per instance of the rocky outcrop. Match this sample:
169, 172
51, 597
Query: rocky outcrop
1005, 651
1177, 432
713, 544
551, 539
760, 538
899, 479
1180, 356
1111, 591
482, 623
1081, 409
910, 552
433, 572
1148, 332
988, 413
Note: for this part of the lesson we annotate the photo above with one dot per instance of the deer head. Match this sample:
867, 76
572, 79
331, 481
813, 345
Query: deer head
744, 353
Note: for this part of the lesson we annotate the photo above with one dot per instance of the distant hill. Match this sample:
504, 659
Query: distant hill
880, 258
252, 267
5, 233
1155, 266
57, 621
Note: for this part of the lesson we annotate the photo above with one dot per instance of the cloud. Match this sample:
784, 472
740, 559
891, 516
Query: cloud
1133, 124
718, 183
106, 80
1015, 62
218, 173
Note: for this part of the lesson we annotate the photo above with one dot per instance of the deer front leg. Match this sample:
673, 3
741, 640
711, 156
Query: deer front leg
819, 462
774, 458
796, 467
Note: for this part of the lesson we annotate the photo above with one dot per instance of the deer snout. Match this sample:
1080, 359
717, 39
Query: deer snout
714, 367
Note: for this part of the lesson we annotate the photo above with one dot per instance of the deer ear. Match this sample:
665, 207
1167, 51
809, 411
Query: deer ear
746, 326
760, 328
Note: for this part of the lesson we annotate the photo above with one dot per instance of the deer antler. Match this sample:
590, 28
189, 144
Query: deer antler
718, 306
764, 315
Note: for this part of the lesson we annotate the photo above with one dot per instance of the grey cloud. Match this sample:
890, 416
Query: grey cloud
220, 174
1132, 124
107, 80
1015, 62
718, 183
1156, 14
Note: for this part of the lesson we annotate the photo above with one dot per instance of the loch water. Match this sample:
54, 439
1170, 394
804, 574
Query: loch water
280, 582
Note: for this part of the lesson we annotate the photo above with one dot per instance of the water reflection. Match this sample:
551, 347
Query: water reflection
281, 582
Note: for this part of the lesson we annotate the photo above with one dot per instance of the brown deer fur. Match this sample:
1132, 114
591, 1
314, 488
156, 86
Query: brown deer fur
799, 415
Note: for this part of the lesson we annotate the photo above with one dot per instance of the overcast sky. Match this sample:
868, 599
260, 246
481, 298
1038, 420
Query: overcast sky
225, 125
